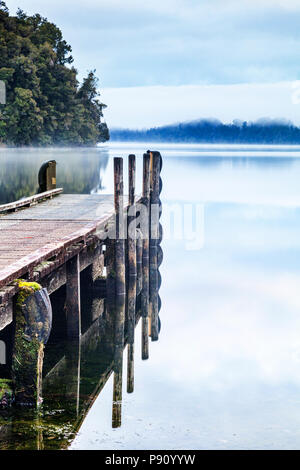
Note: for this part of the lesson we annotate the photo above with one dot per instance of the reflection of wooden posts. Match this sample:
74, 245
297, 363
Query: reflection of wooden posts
117, 400
120, 293
110, 295
132, 273
73, 298
72, 376
155, 160
130, 368
145, 263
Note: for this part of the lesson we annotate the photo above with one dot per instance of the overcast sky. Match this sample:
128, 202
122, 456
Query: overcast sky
181, 43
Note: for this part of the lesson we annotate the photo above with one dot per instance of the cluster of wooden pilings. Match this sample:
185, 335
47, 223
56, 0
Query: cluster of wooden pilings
131, 254
133, 260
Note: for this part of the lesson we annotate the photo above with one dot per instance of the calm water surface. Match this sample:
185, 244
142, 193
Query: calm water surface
226, 371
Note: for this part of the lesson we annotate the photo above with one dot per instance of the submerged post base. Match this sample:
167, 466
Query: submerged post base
33, 326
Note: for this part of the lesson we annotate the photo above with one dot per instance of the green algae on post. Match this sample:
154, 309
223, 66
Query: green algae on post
6, 393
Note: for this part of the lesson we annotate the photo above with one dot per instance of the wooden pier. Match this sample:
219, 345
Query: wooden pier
50, 238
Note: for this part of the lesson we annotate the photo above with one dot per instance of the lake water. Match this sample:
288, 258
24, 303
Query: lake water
225, 373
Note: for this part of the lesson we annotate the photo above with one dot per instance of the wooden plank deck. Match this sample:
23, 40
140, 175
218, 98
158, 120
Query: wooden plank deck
35, 234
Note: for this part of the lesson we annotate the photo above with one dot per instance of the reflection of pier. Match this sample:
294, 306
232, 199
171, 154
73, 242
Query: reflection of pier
99, 285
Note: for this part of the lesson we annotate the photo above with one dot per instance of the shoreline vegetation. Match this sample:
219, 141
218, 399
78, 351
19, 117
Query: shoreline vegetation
45, 104
212, 131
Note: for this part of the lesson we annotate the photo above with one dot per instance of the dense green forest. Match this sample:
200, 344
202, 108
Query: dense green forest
45, 104
263, 131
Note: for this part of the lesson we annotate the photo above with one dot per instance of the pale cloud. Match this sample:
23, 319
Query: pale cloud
249, 332
179, 42
138, 107
285, 4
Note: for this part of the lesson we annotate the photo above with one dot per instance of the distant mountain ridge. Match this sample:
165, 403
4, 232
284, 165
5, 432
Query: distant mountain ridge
263, 131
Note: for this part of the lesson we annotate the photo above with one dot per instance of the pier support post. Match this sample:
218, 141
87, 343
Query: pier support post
120, 292
155, 163
159, 249
145, 257
73, 310
139, 262
131, 271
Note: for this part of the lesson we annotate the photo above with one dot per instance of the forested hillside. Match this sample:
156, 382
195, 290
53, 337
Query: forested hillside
45, 104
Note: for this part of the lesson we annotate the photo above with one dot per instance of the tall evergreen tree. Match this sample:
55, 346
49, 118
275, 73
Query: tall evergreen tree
45, 103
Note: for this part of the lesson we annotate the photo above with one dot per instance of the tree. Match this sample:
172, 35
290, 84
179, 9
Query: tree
45, 103
23, 119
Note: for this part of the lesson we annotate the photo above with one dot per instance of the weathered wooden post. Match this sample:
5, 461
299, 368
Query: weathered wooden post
120, 293
130, 368
73, 309
160, 237
155, 164
145, 260
110, 294
132, 272
139, 261
33, 323
47, 176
